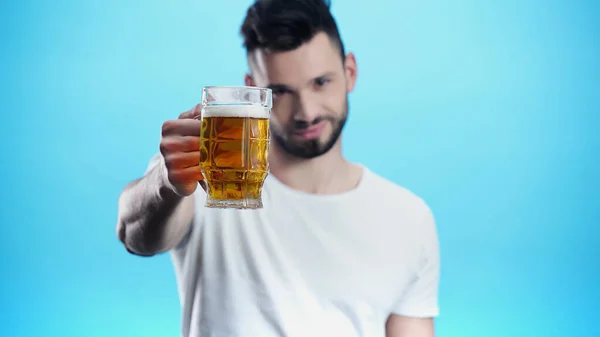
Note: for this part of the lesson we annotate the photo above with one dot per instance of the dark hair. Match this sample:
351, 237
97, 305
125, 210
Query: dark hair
284, 25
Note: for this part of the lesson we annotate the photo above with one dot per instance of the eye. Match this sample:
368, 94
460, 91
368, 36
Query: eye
279, 92
321, 82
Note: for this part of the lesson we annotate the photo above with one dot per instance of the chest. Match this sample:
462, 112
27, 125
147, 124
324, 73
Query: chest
335, 254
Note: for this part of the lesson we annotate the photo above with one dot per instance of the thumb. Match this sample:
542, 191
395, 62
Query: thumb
192, 113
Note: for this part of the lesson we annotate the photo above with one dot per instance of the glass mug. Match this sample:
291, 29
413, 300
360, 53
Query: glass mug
234, 145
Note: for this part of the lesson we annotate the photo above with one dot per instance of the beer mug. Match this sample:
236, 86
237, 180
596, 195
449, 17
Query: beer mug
234, 145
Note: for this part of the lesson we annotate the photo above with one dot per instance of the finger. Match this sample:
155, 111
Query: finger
181, 127
186, 175
173, 144
186, 189
191, 113
182, 160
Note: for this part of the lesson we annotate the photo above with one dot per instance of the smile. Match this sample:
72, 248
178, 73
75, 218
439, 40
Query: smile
314, 131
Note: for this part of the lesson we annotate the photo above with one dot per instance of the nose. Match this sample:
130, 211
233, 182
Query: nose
306, 108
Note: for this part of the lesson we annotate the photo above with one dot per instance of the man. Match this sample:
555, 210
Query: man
337, 250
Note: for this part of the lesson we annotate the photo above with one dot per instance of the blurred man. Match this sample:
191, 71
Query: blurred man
337, 250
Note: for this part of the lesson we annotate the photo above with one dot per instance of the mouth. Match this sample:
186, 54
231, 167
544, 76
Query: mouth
312, 132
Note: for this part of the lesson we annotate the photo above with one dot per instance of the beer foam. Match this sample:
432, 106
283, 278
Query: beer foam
244, 111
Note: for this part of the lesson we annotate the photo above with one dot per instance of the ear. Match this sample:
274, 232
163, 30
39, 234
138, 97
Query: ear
351, 70
248, 80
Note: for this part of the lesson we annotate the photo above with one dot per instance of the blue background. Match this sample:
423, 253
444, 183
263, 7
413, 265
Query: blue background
487, 109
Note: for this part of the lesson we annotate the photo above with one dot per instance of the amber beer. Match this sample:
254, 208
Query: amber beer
234, 145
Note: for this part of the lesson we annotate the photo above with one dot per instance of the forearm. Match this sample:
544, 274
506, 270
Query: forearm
400, 326
152, 218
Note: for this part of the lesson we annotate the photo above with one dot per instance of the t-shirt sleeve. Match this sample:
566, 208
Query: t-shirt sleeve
420, 298
154, 161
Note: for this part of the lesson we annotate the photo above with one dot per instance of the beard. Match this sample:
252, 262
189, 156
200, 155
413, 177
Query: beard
308, 149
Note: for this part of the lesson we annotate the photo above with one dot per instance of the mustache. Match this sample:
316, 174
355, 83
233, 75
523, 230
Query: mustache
301, 125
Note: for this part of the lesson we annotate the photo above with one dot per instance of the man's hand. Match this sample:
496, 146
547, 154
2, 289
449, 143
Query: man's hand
400, 326
180, 148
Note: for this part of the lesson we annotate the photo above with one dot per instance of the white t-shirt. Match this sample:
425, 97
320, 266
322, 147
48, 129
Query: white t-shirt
309, 265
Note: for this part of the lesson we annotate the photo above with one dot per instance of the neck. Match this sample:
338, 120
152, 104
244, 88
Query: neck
330, 173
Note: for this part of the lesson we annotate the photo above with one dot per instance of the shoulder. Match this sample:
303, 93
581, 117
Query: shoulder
394, 196
405, 219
